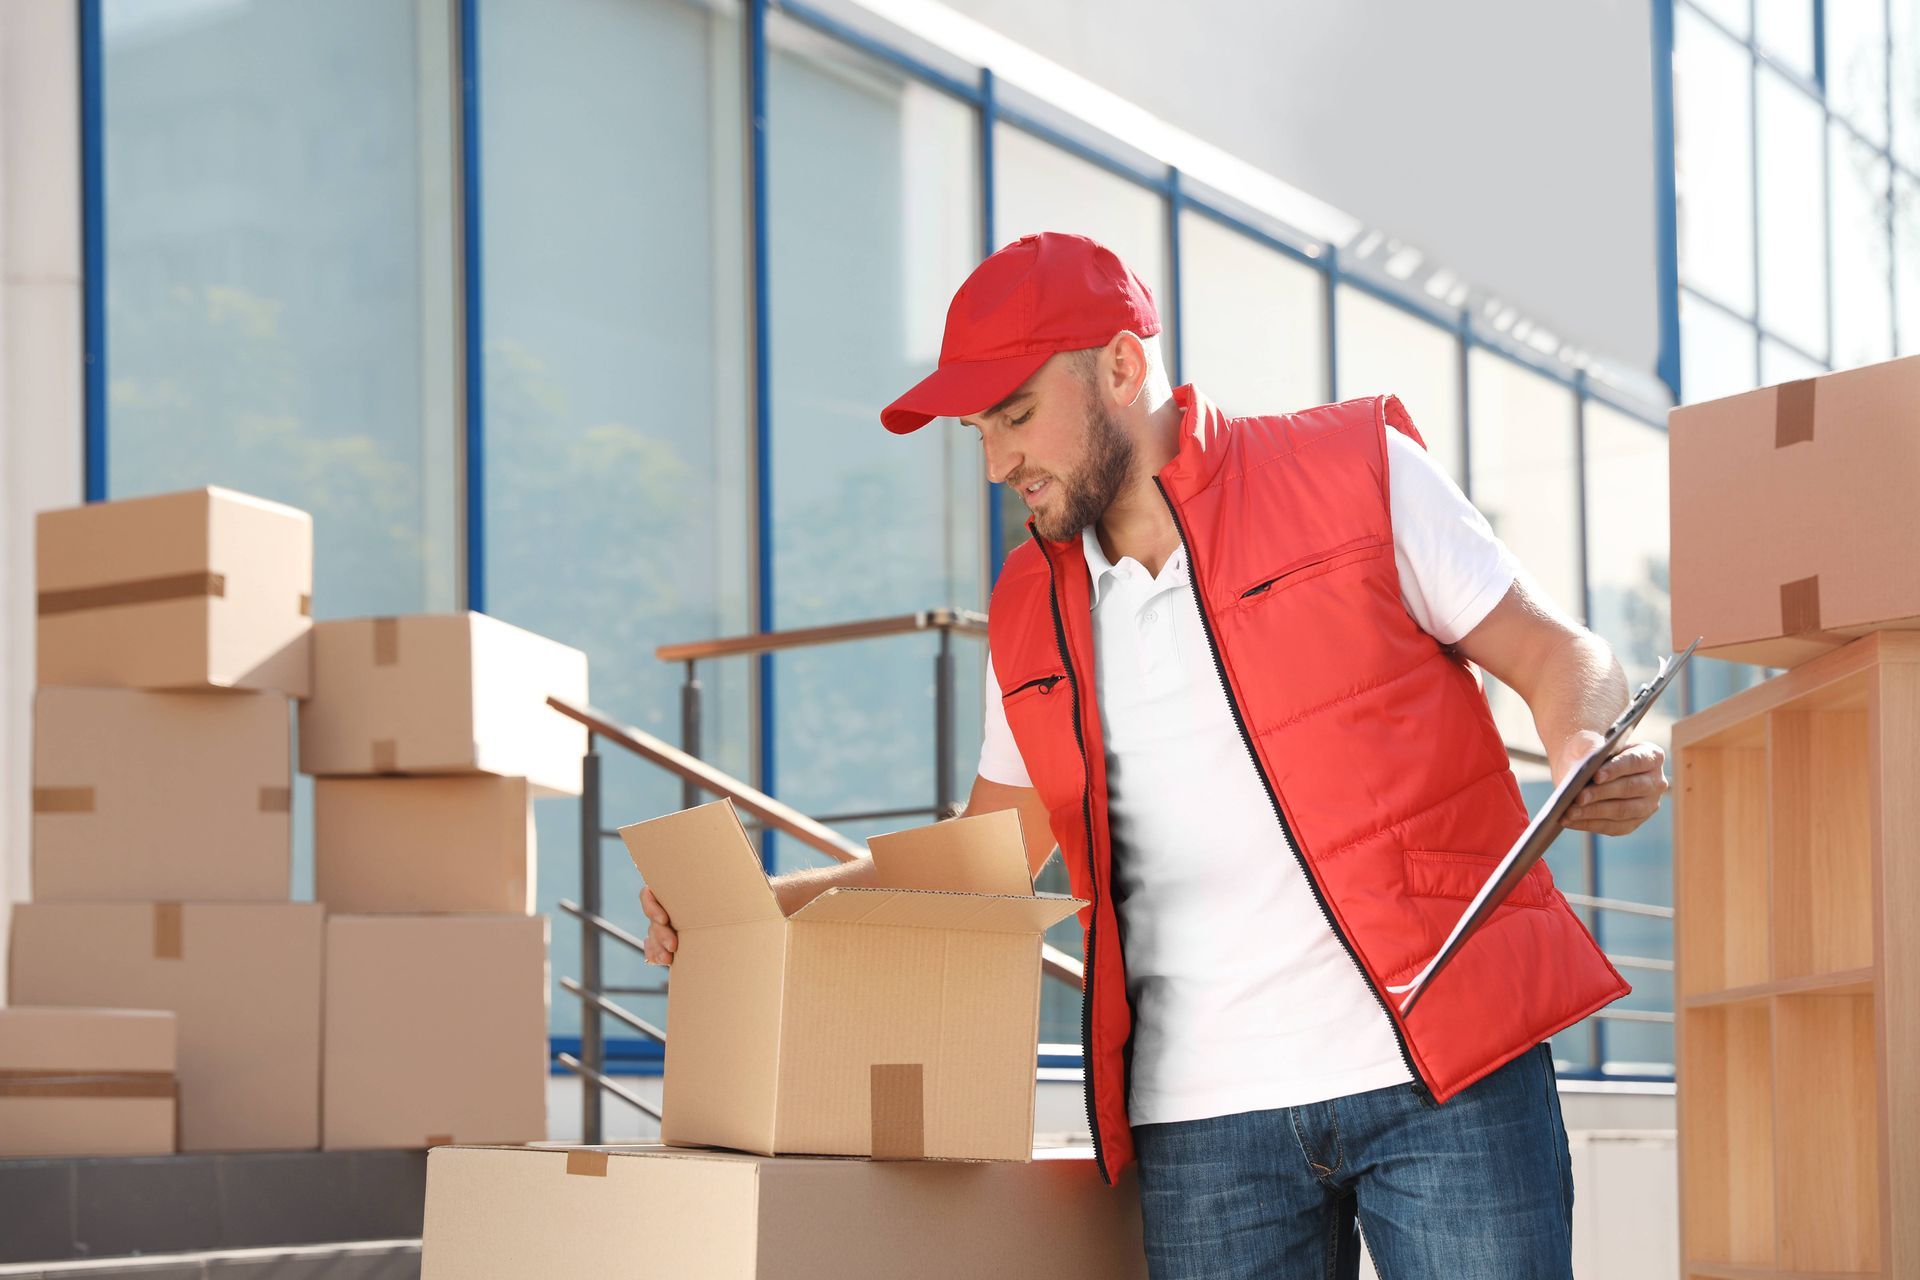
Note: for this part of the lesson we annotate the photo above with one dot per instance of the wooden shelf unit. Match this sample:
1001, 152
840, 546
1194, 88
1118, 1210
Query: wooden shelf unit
1797, 971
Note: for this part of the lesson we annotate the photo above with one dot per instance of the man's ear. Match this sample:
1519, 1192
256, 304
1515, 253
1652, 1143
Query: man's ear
1127, 362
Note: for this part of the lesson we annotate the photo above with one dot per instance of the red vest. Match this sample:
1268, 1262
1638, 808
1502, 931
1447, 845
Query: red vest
1375, 743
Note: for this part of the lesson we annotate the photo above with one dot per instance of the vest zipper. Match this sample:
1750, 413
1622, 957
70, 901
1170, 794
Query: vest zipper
1286, 829
1093, 884
1046, 684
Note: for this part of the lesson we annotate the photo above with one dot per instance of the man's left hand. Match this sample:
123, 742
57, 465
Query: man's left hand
1623, 794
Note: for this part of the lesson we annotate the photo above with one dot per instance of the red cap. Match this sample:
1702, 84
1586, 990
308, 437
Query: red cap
1041, 294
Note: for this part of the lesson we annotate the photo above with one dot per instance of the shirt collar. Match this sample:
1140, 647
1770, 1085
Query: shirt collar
1101, 569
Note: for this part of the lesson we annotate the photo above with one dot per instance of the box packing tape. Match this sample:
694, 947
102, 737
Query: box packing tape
386, 641
898, 1110
1800, 606
386, 755
587, 1164
87, 1084
1793, 413
63, 799
178, 586
169, 931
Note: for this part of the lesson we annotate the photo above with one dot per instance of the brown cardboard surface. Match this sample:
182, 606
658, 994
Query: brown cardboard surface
142, 796
443, 694
436, 1030
245, 987
86, 1082
969, 855
781, 1029
499, 1214
1793, 522
423, 844
206, 588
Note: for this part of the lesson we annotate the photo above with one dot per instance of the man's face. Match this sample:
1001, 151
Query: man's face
1057, 446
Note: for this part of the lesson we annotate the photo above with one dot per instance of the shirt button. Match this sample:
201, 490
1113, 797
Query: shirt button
1149, 615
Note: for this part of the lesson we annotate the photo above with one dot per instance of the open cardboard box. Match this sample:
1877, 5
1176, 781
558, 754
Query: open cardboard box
509, 1213
898, 1022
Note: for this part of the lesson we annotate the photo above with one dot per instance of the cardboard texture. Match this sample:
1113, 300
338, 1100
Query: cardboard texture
454, 1051
898, 1022
86, 1082
1793, 522
423, 844
495, 1214
443, 693
203, 589
142, 796
243, 980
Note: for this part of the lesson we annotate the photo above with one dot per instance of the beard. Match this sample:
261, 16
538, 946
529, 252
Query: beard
1084, 496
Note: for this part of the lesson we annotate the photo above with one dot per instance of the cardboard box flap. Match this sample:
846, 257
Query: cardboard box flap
701, 865
931, 909
981, 854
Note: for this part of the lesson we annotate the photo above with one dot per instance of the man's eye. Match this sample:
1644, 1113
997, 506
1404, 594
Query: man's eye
1022, 418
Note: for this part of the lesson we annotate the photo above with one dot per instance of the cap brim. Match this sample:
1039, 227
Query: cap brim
963, 387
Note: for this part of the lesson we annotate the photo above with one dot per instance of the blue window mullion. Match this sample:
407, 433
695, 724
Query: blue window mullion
762, 396
471, 318
989, 241
93, 256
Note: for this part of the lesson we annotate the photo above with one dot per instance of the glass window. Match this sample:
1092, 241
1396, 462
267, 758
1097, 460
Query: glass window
1713, 160
279, 263
1716, 351
1781, 363
1255, 321
281, 316
1862, 258
616, 490
1906, 230
1627, 537
1857, 64
1039, 187
1793, 232
873, 201
1906, 82
1526, 481
1784, 28
1388, 350
1731, 14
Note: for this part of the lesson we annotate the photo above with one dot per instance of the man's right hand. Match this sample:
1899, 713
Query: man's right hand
661, 941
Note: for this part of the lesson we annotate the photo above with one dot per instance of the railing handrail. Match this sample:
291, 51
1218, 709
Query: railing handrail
965, 622
783, 818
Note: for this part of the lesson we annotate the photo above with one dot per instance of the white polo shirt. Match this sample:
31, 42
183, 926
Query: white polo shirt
1243, 997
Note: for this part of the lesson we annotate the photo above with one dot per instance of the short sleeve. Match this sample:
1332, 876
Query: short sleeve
999, 755
1453, 569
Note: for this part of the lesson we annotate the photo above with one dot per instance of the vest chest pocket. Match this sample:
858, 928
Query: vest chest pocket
1038, 687
1289, 576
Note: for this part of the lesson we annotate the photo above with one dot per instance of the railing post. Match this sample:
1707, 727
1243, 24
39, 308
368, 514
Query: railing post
592, 1049
943, 723
690, 731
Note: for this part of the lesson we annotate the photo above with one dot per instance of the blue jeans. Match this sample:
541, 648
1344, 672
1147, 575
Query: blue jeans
1478, 1189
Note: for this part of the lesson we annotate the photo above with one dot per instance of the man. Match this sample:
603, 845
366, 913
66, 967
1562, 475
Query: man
1232, 677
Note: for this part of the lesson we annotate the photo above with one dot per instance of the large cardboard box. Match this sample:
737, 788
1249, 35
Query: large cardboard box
436, 1030
443, 693
1794, 523
243, 978
143, 796
423, 844
207, 588
496, 1214
898, 1022
86, 1082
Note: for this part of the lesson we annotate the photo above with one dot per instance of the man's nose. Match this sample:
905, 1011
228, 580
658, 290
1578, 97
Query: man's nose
1001, 462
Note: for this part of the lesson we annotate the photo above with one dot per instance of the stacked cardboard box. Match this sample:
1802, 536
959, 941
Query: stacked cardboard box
87, 1082
173, 634
1794, 525
428, 737
925, 1064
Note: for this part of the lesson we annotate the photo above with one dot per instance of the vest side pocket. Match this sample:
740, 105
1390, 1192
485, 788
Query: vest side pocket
1273, 583
1436, 873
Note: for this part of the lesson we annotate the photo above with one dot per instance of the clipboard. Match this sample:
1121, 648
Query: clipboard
1541, 831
